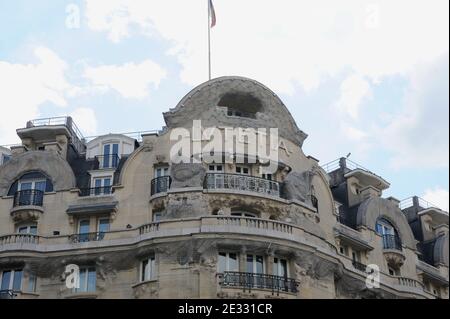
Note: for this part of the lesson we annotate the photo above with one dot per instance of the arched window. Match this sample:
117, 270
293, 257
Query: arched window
391, 239
33, 180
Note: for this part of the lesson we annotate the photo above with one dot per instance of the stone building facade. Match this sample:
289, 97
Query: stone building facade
137, 225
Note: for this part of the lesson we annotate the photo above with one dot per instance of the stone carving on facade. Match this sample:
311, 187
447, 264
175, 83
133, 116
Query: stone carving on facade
186, 205
160, 158
187, 175
147, 146
297, 186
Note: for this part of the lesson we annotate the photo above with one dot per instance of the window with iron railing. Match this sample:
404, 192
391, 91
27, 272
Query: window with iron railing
241, 182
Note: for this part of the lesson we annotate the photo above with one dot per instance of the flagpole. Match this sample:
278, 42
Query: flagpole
209, 40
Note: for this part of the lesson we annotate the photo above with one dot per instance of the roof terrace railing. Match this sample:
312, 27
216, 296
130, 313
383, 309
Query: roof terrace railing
342, 163
415, 200
77, 139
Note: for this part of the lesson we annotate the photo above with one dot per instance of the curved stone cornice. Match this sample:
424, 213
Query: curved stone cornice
441, 250
201, 102
374, 208
46, 162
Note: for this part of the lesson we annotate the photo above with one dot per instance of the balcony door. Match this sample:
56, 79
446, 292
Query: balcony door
280, 270
161, 179
83, 230
216, 176
102, 186
255, 270
27, 196
110, 155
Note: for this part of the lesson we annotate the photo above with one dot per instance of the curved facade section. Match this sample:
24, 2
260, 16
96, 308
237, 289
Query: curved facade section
138, 224
49, 163
371, 210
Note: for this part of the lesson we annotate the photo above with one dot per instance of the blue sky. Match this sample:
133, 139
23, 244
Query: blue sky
366, 77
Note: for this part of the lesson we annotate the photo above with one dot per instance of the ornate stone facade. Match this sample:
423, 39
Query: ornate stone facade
139, 226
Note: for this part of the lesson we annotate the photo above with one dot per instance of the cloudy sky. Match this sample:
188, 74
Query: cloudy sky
366, 77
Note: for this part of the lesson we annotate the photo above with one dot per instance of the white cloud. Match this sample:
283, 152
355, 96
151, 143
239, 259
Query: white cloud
25, 86
419, 135
130, 80
437, 196
86, 120
354, 89
285, 43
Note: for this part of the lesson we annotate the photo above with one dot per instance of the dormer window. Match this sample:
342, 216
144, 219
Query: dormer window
240, 104
110, 155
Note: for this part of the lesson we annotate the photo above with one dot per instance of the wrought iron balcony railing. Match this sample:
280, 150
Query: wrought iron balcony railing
29, 197
242, 182
107, 161
96, 191
248, 281
392, 242
7, 294
359, 266
160, 184
86, 237
344, 220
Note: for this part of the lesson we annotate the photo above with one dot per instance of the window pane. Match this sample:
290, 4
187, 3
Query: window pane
33, 230
6, 279
82, 280
233, 262
156, 217
32, 283
98, 183
84, 227
259, 265
152, 268
17, 282
115, 149
103, 225
144, 270
40, 185
23, 230
283, 268
92, 278
222, 262
106, 149
26, 186
250, 263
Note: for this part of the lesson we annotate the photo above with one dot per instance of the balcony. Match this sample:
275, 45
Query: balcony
96, 191
19, 239
242, 183
392, 242
392, 251
30, 197
343, 220
248, 281
110, 161
27, 205
160, 184
87, 237
359, 266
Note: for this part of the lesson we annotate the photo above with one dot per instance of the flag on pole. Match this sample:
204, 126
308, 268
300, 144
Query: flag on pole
212, 13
